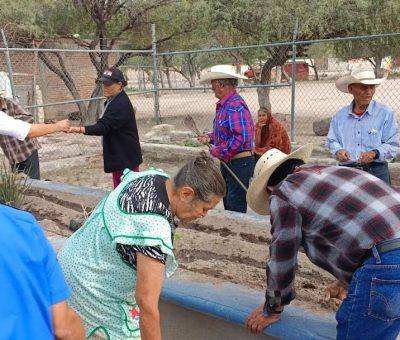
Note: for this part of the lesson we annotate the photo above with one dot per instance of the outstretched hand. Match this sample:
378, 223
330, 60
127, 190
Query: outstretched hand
63, 125
336, 290
257, 321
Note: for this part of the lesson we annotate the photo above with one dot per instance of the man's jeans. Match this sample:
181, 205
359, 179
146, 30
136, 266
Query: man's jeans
380, 170
235, 198
371, 309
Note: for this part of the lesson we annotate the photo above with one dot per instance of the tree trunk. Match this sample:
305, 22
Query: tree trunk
278, 75
64, 75
315, 69
191, 70
94, 108
168, 75
160, 73
377, 68
278, 57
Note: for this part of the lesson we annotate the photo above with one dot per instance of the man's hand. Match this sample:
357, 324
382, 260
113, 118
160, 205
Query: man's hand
63, 125
342, 155
366, 157
204, 139
76, 129
336, 290
257, 321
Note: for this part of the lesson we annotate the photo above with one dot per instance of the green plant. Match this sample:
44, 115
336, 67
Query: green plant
191, 142
12, 186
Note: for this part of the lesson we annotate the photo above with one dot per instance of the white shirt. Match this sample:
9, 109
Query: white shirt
13, 127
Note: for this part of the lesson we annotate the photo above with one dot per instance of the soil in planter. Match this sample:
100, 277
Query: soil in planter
211, 250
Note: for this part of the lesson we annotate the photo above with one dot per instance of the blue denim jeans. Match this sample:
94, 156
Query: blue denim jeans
235, 198
380, 170
371, 309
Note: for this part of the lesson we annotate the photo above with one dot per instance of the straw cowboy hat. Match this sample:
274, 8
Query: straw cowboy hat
257, 195
358, 76
221, 72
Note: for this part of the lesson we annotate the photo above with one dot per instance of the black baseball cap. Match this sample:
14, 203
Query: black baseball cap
112, 76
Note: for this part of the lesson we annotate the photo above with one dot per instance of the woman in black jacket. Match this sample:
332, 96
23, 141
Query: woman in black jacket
117, 125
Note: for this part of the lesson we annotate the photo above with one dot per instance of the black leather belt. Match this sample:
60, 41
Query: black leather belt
360, 166
384, 247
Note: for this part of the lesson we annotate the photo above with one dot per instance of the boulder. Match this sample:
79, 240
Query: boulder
321, 127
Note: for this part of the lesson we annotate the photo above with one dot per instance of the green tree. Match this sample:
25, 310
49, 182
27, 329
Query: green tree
373, 17
101, 25
269, 21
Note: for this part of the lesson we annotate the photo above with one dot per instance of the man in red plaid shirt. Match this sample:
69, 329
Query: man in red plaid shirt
348, 223
232, 138
17, 133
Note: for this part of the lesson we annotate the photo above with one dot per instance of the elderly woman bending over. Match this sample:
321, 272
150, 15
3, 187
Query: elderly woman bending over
116, 262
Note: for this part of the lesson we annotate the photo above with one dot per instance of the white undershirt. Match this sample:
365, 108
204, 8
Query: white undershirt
13, 127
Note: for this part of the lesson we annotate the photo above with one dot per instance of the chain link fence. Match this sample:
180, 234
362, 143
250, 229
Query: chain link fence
296, 79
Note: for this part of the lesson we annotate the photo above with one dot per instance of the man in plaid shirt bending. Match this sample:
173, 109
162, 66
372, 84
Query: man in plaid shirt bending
348, 222
232, 139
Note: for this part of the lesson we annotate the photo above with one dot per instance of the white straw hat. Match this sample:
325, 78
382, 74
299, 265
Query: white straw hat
360, 75
221, 72
257, 195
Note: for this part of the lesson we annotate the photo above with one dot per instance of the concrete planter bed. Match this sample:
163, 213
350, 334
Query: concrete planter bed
221, 276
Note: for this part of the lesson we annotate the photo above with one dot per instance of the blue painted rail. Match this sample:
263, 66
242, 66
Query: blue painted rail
232, 303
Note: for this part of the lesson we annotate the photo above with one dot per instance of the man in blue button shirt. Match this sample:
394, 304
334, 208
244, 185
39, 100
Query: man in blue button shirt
364, 134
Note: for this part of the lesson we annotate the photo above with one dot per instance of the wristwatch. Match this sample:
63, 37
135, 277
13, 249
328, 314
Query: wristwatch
377, 153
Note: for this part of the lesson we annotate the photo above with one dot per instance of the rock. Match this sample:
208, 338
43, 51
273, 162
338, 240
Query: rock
74, 225
321, 127
165, 134
284, 118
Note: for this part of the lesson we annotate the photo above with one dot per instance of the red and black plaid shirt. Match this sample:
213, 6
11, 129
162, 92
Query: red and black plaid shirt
15, 150
336, 214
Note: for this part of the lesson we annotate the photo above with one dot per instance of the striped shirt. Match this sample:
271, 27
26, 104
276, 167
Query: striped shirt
336, 214
16, 150
233, 128
376, 129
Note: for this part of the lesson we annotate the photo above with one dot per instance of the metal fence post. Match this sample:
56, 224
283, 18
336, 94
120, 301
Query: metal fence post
9, 68
155, 76
294, 71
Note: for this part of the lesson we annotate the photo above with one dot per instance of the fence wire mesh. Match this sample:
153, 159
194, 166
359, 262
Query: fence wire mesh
61, 83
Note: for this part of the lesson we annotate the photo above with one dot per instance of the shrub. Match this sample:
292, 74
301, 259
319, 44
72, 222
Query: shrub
12, 186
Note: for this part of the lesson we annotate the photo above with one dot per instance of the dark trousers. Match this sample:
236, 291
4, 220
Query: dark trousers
235, 198
380, 170
30, 166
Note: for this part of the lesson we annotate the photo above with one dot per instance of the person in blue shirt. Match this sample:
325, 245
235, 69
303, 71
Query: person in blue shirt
33, 290
364, 134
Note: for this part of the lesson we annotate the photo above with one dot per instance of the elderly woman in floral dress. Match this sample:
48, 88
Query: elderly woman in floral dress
116, 262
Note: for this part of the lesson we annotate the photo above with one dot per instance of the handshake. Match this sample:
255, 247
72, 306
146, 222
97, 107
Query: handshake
65, 126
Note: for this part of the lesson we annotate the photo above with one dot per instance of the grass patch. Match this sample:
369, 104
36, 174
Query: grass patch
191, 142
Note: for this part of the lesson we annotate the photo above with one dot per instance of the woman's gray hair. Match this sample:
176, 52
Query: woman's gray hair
230, 82
203, 176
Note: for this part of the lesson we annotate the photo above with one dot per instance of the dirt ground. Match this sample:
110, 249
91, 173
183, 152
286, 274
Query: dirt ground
213, 249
